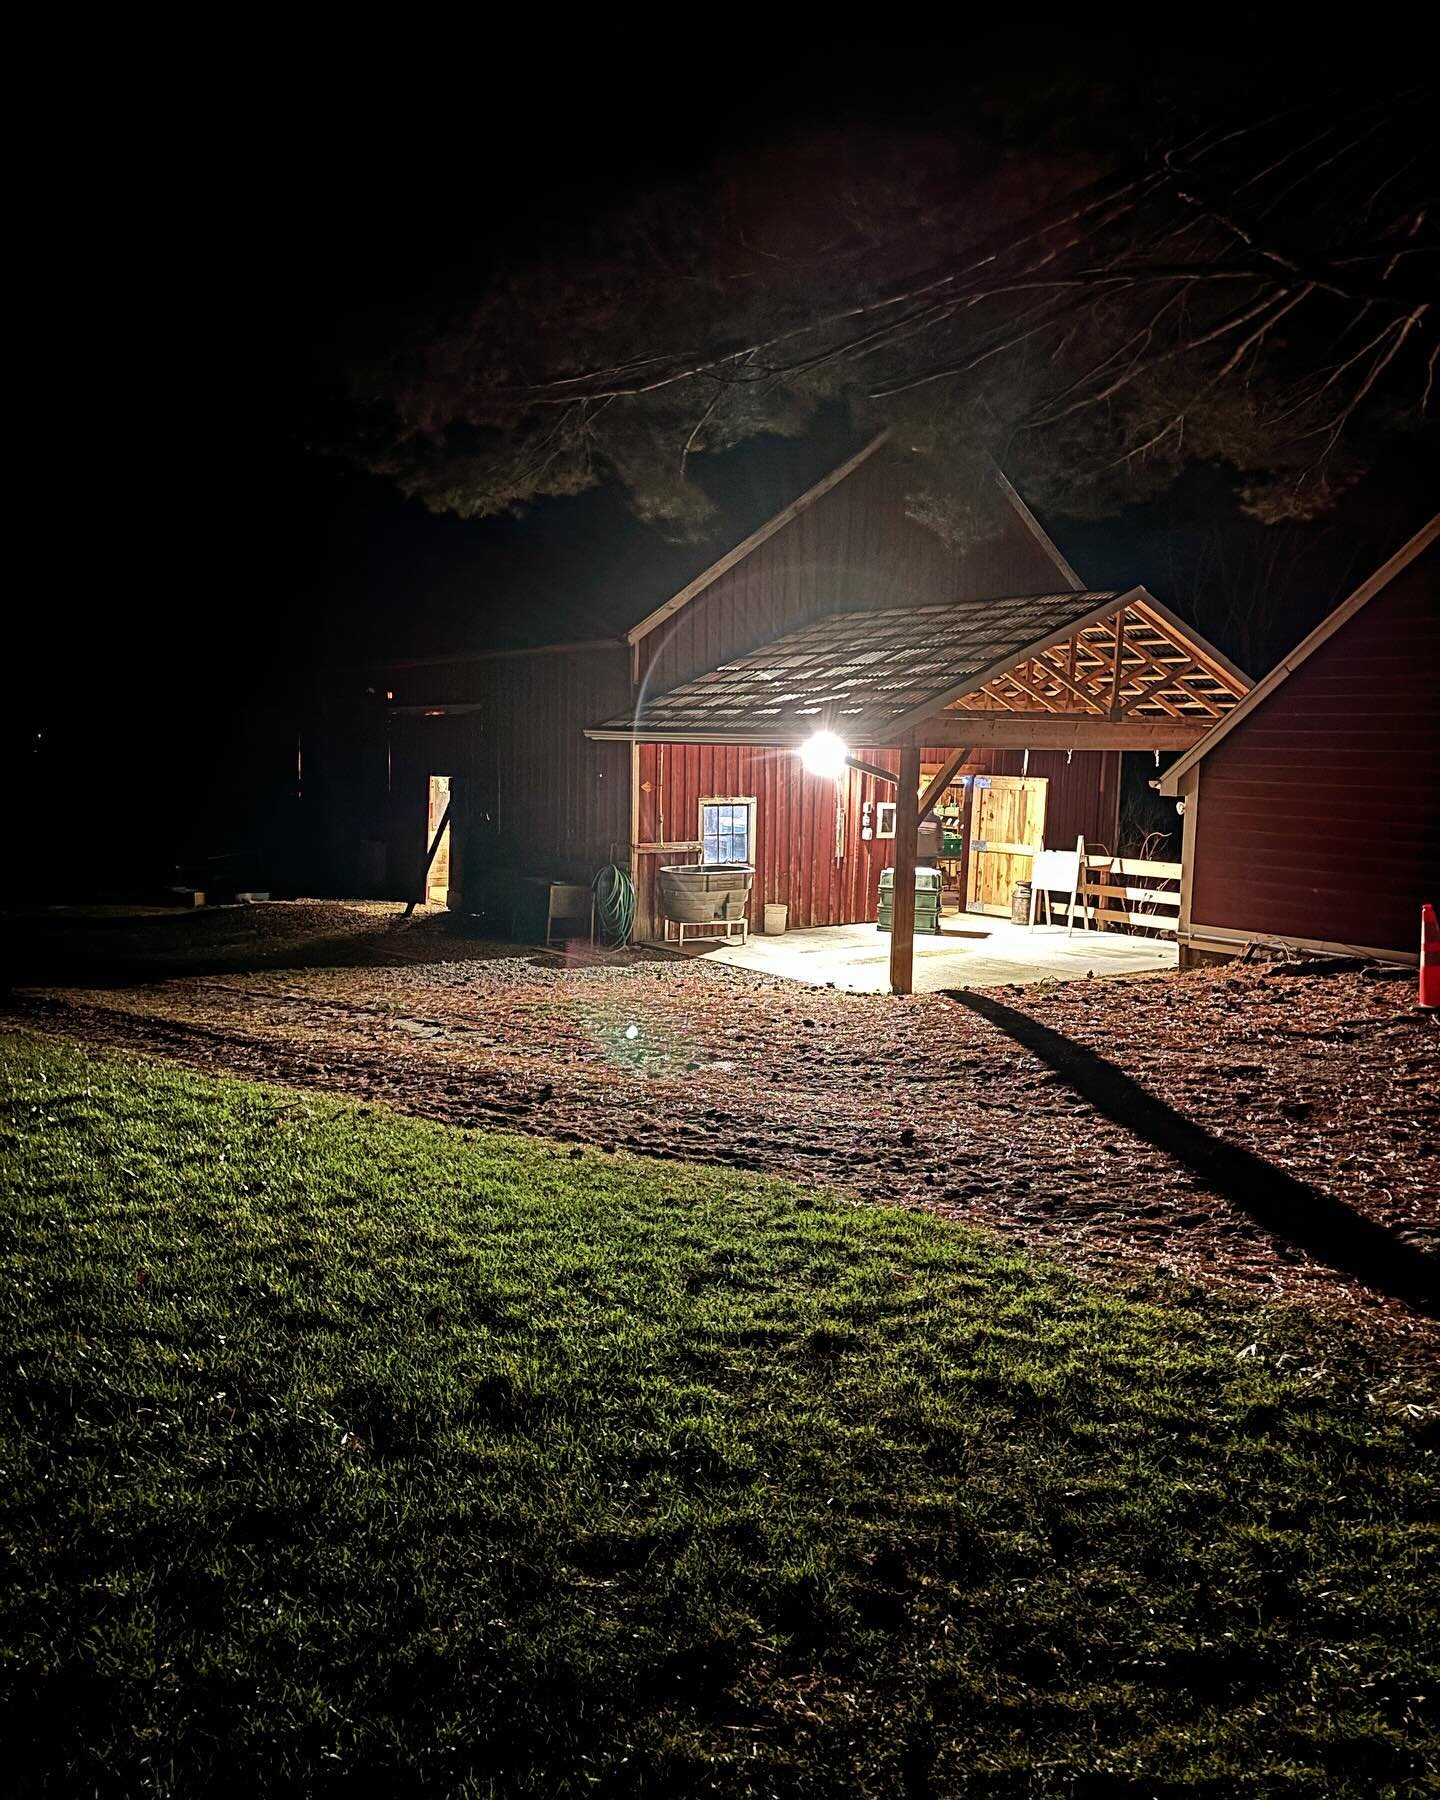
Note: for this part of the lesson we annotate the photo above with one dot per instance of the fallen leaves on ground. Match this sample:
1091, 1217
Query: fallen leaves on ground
1331, 1078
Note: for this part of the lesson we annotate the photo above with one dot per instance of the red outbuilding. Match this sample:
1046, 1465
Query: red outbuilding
1312, 810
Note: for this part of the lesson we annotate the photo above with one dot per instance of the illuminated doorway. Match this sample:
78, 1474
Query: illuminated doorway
437, 882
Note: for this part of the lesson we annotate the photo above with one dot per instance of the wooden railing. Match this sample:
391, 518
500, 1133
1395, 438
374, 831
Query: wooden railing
1126, 893
1110, 892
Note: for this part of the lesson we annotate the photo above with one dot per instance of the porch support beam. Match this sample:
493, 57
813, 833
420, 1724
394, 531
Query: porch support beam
872, 769
1074, 683
1039, 731
940, 782
902, 899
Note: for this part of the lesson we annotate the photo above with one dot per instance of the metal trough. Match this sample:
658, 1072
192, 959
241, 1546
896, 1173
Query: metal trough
697, 893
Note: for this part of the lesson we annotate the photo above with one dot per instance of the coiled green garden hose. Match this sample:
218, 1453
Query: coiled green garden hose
614, 904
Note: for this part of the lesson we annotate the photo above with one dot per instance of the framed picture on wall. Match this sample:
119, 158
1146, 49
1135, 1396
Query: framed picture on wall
885, 819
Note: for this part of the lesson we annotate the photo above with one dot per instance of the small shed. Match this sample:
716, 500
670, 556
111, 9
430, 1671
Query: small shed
1312, 810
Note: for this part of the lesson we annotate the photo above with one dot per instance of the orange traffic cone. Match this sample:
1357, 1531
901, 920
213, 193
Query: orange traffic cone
1429, 957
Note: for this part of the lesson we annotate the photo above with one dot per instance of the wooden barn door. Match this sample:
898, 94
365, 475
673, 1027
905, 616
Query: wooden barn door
437, 882
1007, 827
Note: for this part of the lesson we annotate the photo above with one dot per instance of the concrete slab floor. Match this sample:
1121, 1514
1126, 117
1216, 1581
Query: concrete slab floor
972, 950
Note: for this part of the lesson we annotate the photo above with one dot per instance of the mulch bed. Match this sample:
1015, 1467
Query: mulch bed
1331, 1081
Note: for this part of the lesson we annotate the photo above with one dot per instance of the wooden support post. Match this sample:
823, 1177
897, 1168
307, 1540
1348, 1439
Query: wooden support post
1075, 890
902, 900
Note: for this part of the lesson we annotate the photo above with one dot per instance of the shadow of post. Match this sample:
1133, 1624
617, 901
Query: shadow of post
1313, 1221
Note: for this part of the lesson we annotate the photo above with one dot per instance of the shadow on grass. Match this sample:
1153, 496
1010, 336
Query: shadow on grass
1303, 1215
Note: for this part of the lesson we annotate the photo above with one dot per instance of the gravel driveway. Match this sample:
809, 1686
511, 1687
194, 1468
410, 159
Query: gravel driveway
1256, 1126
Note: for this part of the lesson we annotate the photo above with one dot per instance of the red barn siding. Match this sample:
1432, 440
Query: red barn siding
1317, 816
794, 849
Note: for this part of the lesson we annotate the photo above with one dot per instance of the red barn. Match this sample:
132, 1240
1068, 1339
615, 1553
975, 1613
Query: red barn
1312, 811
994, 667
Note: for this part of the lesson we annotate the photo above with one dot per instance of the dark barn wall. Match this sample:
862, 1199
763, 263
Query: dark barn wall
1318, 817
532, 794
542, 797
1083, 798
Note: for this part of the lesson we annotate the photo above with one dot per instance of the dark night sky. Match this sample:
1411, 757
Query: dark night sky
280, 217
280, 204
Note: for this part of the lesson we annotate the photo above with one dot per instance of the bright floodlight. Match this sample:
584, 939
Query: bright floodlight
825, 755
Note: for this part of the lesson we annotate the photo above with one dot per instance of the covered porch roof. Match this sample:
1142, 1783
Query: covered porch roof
1083, 670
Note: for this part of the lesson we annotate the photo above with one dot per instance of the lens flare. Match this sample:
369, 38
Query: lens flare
825, 755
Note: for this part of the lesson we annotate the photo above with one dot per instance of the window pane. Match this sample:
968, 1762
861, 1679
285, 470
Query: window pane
725, 831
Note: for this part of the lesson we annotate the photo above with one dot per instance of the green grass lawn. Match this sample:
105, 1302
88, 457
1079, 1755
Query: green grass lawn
345, 1453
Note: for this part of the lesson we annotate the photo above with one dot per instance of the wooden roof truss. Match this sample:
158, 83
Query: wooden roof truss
1133, 664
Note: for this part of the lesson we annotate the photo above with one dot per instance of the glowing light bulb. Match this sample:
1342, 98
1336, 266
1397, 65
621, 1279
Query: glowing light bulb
825, 755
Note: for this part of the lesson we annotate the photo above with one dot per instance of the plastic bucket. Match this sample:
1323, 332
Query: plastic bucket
775, 918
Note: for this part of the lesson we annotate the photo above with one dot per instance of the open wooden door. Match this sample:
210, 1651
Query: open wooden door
1007, 827
437, 882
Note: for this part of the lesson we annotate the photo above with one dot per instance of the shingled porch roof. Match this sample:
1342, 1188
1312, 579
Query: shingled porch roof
875, 677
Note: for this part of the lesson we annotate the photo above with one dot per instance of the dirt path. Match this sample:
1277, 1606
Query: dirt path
1264, 1128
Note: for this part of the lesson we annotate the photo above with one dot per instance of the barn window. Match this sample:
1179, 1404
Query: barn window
727, 828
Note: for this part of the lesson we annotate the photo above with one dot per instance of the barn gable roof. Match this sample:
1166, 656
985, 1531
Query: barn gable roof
1306, 648
872, 676
778, 520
